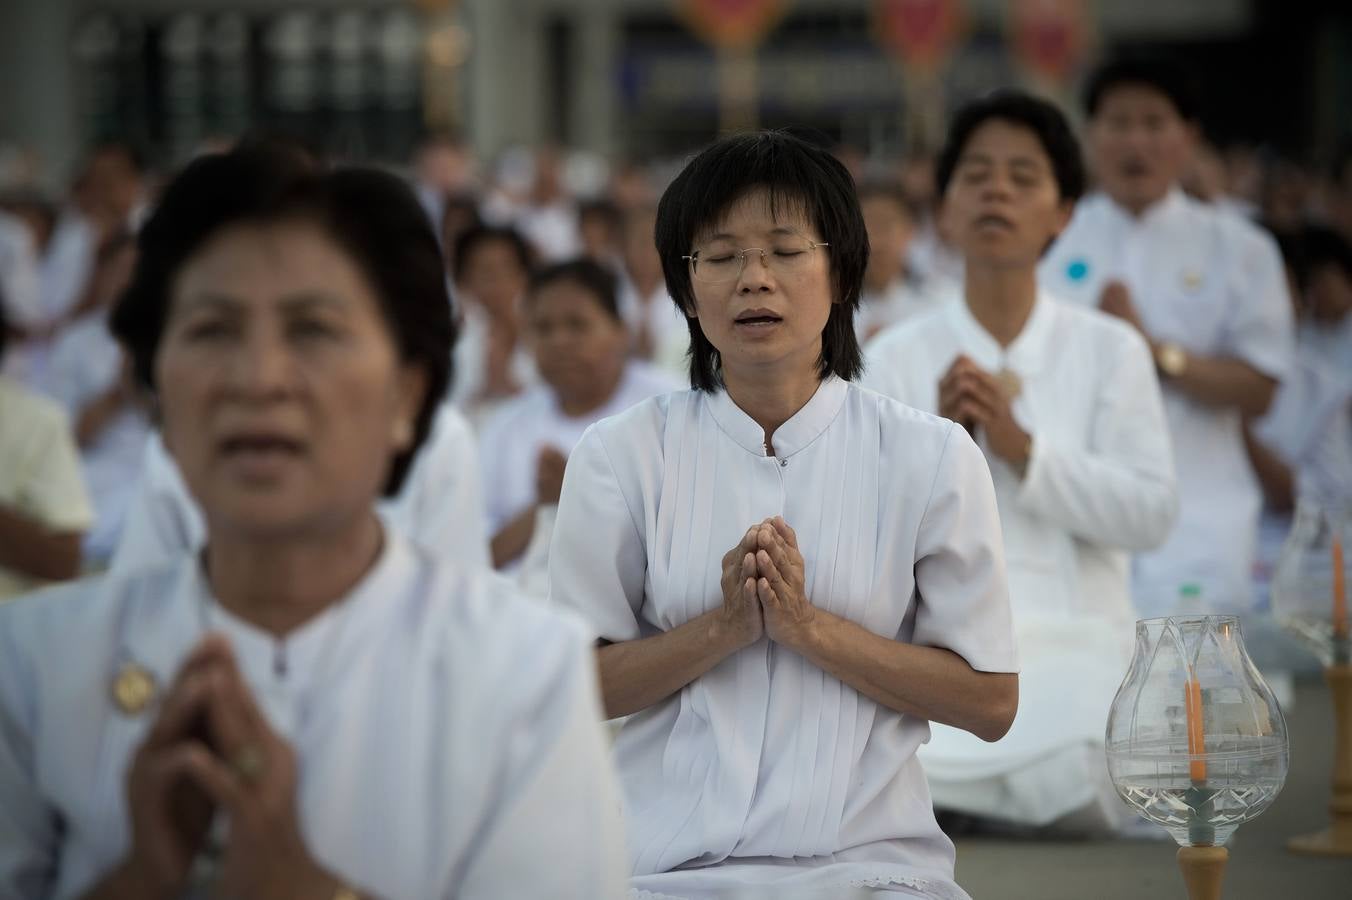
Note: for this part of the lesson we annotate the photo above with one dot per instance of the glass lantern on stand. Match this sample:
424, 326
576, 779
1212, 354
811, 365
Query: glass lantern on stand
1309, 599
1196, 742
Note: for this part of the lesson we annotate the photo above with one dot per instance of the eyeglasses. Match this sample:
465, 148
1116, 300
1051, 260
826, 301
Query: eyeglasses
790, 255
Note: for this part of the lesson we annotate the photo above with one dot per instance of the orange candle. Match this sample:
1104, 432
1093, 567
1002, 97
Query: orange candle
1196, 740
1339, 591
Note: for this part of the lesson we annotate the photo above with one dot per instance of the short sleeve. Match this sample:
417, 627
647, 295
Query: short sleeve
559, 810
1261, 328
962, 599
54, 490
447, 516
597, 561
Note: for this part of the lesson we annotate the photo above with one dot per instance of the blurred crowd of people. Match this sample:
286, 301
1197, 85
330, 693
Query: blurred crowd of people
1156, 363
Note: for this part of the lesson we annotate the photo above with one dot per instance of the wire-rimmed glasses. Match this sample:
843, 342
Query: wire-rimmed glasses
788, 255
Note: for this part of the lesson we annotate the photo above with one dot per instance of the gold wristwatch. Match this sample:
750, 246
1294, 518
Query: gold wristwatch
1171, 359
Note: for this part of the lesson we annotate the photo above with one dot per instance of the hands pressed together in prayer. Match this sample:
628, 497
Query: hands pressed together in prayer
974, 398
211, 750
549, 468
764, 586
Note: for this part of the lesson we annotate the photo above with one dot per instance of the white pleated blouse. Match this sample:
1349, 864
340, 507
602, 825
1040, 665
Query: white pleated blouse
766, 768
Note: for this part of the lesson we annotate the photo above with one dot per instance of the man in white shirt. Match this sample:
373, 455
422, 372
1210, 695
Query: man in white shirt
892, 290
1206, 289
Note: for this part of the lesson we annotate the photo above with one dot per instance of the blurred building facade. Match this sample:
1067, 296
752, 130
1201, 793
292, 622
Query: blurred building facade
624, 78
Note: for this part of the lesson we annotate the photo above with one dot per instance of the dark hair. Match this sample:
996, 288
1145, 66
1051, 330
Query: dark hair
792, 172
131, 152
471, 240
890, 189
1015, 107
601, 209
1314, 247
372, 215
586, 274
1157, 73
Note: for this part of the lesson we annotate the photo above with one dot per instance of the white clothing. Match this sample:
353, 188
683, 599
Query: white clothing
1099, 483
20, 290
469, 361
903, 299
85, 363
39, 471
766, 757
1331, 345
1309, 428
551, 230
439, 507
1213, 283
666, 325
511, 441
446, 730
67, 263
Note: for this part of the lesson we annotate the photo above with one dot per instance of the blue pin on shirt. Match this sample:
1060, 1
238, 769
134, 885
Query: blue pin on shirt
1077, 270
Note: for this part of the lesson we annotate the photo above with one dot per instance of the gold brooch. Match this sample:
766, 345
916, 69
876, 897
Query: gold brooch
133, 689
1192, 280
1011, 385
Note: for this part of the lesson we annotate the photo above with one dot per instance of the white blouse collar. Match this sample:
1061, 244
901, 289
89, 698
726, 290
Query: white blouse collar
800, 430
1162, 210
324, 640
1029, 351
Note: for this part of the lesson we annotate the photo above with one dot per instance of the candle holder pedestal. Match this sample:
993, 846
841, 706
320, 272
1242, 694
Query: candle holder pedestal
1203, 871
1336, 840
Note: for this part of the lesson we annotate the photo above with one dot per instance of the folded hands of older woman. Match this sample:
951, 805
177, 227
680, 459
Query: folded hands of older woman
211, 749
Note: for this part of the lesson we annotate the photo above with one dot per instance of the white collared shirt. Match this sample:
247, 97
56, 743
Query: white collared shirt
1099, 483
510, 442
1212, 282
766, 763
439, 507
446, 730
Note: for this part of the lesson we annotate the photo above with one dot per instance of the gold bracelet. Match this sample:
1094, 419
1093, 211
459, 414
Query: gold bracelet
345, 893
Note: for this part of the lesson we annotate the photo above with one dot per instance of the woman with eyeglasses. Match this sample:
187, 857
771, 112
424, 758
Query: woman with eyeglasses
790, 575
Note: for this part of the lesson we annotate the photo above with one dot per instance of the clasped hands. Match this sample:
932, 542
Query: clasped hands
763, 587
212, 749
972, 397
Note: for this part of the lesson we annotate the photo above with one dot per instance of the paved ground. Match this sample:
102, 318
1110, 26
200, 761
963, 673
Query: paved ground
1260, 868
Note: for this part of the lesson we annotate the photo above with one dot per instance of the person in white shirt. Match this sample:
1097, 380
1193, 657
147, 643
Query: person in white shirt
91, 376
790, 575
44, 506
491, 267
1206, 290
892, 291
581, 350
660, 331
1065, 404
1302, 446
235, 723
20, 286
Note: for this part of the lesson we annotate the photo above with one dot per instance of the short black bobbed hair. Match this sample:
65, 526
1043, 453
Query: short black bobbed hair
1019, 108
592, 277
794, 174
371, 215
1158, 73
